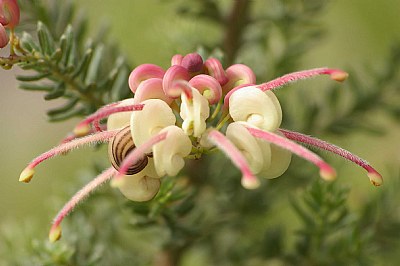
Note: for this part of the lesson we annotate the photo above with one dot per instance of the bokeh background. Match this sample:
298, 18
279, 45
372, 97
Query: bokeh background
358, 33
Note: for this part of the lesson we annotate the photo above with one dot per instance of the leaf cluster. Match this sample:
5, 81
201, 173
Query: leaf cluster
87, 73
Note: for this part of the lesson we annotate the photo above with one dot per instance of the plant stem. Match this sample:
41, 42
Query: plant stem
73, 84
235, 25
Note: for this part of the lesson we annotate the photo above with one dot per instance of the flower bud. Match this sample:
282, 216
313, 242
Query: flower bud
144, 72
3, 37
214, 68
208, 86
171, 81
238, 74
9, 13
176, 60
151, 89
192, 62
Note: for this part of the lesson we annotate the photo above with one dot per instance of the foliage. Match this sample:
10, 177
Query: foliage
86, 72
207, 217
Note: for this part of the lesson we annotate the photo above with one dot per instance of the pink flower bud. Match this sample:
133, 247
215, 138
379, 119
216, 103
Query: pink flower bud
9, 13
142, 73
176, 60
208, 87
192, 62
214, 68
151, 89
3, 37
172, 81
238, 74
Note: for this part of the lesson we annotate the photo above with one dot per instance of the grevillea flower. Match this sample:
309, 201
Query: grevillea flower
191, 108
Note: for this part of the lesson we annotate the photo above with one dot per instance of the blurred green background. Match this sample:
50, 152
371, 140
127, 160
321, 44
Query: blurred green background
358, 32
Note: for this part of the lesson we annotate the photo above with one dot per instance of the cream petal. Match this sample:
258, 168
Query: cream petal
150, 169
155, 116
247, 145
139, 187
122, 119
194, 113
280, 160
168, 154
252, 105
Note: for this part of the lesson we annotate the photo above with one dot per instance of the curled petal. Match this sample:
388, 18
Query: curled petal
3, 37
229, 94
168, 155
249, 181
326, 171
194, 113
150, 170
9, 13
155, 116
176, 60
151, 89
121, 119
139, 187
335, 74
279, 159
247, 145
142, 73
171, 81
214, 68
208, 87
238, 74
374, 176
260, 109
192, 62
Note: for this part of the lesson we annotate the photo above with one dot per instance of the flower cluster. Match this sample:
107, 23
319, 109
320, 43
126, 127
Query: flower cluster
193, 108
9, 18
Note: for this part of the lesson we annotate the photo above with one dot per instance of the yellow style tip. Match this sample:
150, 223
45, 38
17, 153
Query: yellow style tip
250, 182
339, 76
328, 175
375, 178
117, 181
55, 234
81, 130
26, 175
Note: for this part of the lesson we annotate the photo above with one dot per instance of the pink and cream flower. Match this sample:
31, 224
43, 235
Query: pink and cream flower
193, 108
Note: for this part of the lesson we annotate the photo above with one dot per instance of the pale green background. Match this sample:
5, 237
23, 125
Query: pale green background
359, 31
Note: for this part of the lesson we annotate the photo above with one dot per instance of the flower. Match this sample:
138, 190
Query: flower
189, 109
